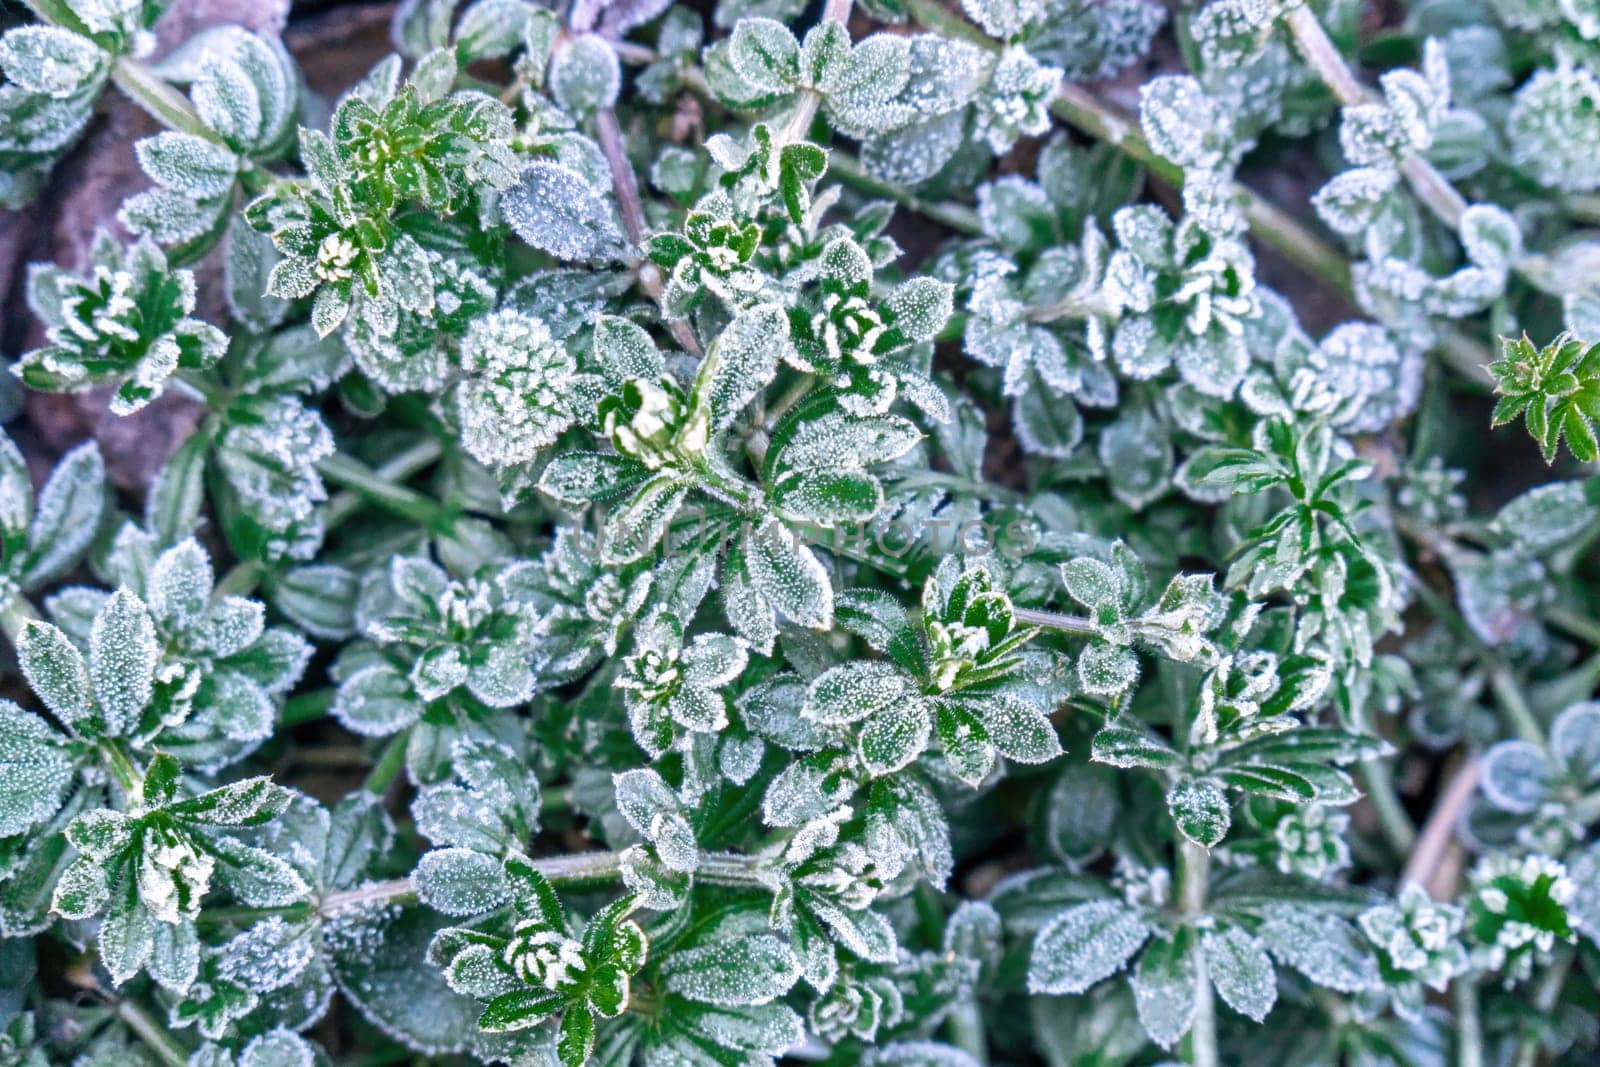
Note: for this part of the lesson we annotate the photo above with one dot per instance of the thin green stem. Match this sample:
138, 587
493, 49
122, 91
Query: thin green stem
1579, 626
418, 457
57, 13
805, 108
1194, 874
145, 88
241, 579
1070, 624
573, 869
152, 1033
734, 869
1544, 1002
1324, 58
120, 763
389, 765
1398, 829
958, 217
1508, 694
307, 707
1469, 1027
350, 473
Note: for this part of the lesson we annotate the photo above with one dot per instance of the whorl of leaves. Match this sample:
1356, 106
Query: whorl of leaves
748, 533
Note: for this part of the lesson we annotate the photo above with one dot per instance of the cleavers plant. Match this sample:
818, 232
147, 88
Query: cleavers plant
821, 536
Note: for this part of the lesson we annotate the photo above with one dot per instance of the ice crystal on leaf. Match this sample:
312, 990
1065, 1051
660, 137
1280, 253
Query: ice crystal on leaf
126, 322
712, 485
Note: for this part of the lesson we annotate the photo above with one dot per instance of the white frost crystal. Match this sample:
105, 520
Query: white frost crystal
544, 957
518, 394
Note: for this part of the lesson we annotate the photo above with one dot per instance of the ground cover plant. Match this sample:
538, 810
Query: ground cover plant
903, 533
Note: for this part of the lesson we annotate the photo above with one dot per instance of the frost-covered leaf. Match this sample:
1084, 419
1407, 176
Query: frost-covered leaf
1200, 809
1165, 986
1085, 944
553, 209
752, 969
1323, 947
585, 75
35, 770
459, 881
1239, 968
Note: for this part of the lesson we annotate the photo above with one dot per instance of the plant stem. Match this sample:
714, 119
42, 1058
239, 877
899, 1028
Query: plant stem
1323, 56
958, 217
577, 868
117, 760
1544, 1002
1509, 696
626, 185
389, 765
733, 869
1070, 624
241, 579
145, 88
1578, 625
1398, 829
153, 1034
1194, 874
344, 470
805, 108
967, 1031
306, 707
1438, 833
399, 891
419, 456
1469, 1029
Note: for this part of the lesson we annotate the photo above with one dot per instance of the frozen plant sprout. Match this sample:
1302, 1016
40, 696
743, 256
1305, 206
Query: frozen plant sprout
895, 533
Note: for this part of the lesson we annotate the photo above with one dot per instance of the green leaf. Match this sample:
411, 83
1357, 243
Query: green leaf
789, 575
553, 209
127, 935
732, 972
459, 881
965, 743
191, 165
56, 672
638, 525
1019, 731
248, 802
764, 54
1084, 945
1165, 987
376, 701
584, 78
577, 1036
893, 737
624, 350
1126, 742
1325, 948
123, 654
257, 877
1240, 969
65, 518
591, 477
1200, 809
36, 770
519, 1010
742, 360
853, 691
